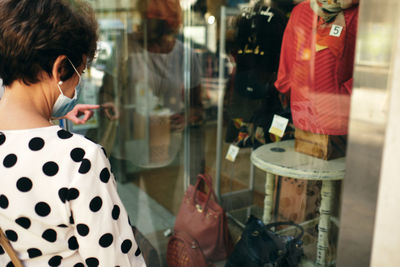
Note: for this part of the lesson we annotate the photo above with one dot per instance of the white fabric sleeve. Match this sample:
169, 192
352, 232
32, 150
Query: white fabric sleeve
102, 230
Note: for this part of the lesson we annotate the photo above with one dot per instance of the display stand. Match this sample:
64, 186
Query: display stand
281, 159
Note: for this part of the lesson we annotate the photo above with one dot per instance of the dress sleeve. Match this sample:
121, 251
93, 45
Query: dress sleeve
102, 231
286, 58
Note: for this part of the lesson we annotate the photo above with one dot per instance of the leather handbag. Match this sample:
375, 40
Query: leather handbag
5, 243
201, 217
259, 246
184, 251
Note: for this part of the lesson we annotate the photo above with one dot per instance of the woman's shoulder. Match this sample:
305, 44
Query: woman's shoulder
76, 141
52, 140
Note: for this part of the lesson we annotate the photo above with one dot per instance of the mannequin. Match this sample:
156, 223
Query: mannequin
316, 66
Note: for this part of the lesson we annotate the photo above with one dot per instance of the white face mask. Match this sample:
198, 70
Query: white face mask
64, 104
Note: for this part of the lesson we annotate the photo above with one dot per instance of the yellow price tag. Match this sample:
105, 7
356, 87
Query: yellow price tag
233, 151
279, 125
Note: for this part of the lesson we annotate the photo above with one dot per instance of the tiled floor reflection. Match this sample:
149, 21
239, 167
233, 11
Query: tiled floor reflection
145, 213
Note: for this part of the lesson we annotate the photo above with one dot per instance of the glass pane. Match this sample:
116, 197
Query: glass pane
183, 84
287, 106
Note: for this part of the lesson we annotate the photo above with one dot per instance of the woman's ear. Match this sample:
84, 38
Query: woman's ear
58, 68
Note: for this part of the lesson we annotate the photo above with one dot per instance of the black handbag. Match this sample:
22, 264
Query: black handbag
260, 246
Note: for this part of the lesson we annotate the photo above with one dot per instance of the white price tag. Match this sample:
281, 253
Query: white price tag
233, 151
336, 30
279, 125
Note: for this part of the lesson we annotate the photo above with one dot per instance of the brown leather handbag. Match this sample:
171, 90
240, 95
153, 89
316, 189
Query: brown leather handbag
9, 249
202, 218
184, 251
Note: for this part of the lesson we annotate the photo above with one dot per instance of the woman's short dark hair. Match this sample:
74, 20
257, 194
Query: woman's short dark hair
34, 33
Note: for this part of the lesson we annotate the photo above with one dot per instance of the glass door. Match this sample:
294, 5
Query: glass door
198, 86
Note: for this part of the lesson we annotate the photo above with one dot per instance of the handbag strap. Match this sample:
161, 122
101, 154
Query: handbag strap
207, 179
5, 243
275, 224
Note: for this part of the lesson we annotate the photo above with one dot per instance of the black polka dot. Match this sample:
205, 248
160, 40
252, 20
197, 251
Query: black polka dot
34, 252
50, 235
71, 219
50, 168
137, 252
55, 261
73, 193
63, 134
73, 243
126, 246
63, 194
2, 138
92, 262
2, 250
106, 240
83, 229
3, 202
23, 222
10, 160
79, 265
36, 143
24, 184
85, 166
11, 235
95, 204
62, 226
77, 154
115, 212
42, 209
10, 264
105, 175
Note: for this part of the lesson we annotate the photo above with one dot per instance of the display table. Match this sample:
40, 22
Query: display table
281, 159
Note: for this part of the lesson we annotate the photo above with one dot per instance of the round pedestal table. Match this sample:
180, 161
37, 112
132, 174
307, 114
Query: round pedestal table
281, 159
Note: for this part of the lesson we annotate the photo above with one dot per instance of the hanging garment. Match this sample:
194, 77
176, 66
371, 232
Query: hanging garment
254, 100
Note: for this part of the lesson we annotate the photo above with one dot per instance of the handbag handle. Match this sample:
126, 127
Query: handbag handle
207, 179
275, 224
5, 243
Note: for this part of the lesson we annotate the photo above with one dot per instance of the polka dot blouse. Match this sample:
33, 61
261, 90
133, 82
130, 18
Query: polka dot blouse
58, 202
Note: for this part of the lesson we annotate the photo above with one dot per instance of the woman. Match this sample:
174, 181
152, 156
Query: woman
155, 88
58, 200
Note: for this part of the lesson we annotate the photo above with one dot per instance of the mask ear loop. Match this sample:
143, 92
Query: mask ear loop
61, 82
74, 68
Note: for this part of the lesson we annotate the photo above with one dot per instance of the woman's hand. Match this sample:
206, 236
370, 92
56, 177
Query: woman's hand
80, 110
177, 122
